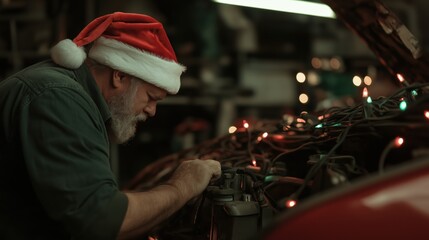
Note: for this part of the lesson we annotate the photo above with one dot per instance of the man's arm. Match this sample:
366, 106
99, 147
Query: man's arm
150, 208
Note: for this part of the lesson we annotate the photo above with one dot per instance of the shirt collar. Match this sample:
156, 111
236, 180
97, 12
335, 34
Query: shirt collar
84, 78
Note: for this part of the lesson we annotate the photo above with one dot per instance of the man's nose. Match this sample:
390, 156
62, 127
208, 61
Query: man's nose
150, 109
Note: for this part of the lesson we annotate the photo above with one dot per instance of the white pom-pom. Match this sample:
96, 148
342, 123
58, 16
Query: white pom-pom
67, 54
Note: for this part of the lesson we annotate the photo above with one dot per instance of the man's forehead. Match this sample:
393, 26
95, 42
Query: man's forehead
155, 92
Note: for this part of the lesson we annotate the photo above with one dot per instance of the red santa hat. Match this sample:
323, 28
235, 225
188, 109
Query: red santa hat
135, 44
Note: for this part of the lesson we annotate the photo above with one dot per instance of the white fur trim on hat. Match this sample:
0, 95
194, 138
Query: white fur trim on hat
67, 54
160, 72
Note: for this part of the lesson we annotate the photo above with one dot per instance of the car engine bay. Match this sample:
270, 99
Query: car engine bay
270, 166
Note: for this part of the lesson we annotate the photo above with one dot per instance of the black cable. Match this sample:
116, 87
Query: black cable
310, 175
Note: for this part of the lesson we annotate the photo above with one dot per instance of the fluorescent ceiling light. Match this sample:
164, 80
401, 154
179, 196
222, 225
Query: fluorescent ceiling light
291, 6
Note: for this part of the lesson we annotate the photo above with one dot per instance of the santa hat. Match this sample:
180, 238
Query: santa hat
135, 44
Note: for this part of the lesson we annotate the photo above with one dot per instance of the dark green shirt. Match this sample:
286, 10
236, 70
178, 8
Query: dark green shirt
55, 176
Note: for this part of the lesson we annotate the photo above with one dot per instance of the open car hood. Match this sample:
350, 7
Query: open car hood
385, 34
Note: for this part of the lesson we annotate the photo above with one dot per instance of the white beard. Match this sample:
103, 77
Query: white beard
124, 121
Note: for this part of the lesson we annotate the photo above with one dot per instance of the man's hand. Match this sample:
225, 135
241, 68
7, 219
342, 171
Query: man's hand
193, 176
148, 209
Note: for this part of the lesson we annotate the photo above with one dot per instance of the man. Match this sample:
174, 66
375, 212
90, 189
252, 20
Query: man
56, 120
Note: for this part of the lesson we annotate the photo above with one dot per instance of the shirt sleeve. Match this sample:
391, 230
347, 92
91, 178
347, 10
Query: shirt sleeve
66, 151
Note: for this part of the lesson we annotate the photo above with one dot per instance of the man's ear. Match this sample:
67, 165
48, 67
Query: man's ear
120, 79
